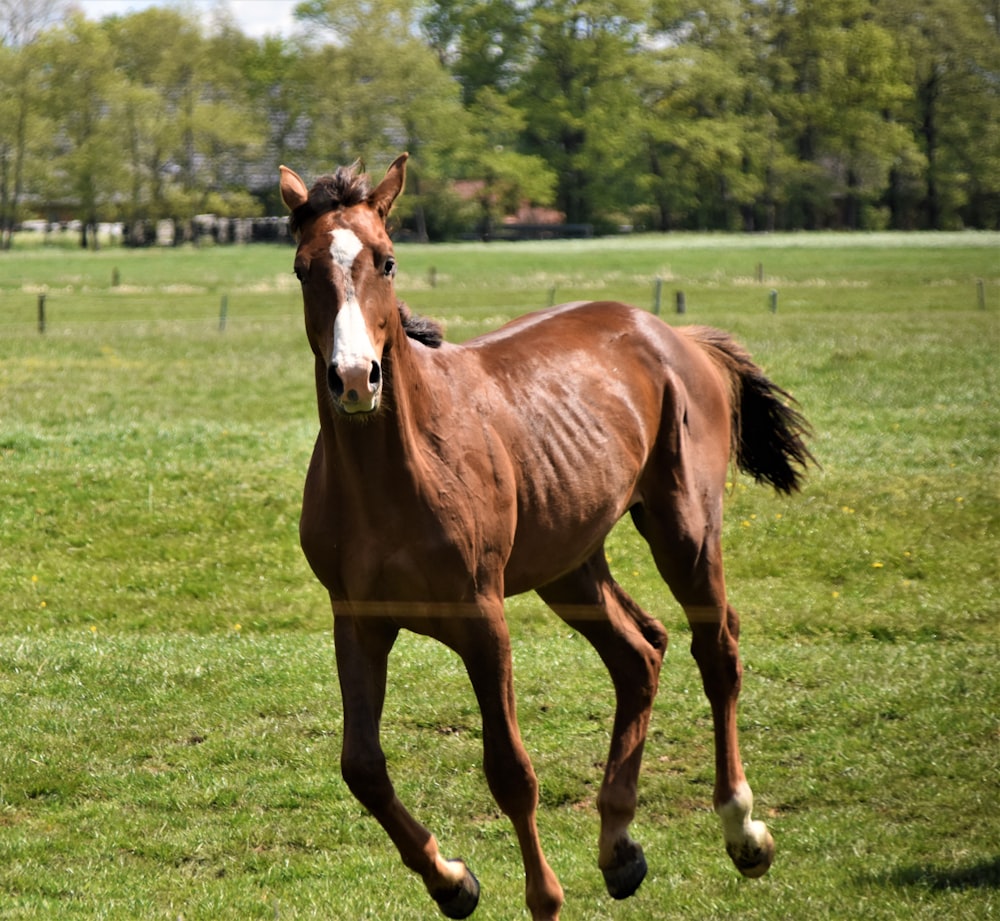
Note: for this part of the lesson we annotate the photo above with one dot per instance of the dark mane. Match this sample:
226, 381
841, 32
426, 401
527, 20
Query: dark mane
424, 330
347, 186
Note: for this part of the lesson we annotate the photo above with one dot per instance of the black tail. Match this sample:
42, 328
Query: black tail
768, 431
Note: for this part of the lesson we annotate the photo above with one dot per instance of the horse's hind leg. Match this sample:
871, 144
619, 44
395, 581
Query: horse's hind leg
632, 645
687, 548
362, 647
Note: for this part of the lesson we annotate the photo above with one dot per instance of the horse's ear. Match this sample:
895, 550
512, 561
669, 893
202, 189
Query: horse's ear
390, 187
293, 190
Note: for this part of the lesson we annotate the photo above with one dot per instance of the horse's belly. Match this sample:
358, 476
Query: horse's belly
577, 470
560, 523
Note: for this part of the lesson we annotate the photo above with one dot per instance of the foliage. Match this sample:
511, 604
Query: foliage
663, 114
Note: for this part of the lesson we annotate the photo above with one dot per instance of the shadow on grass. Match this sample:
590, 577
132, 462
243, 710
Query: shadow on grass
982, 875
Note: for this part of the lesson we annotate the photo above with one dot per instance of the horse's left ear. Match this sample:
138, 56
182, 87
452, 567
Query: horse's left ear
293, 190
390, 187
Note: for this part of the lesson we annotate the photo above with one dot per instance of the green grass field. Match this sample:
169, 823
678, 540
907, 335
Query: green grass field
170, 737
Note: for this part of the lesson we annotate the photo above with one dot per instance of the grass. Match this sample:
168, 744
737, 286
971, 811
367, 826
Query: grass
166, 670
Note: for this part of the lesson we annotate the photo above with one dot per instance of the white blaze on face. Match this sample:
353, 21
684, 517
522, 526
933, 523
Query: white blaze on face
353, 352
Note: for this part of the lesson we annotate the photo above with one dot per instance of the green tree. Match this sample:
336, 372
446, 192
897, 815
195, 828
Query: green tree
952, 49
581, 103
483, 43
489, 155
192, 135
711, 157
22, 117
277, 76
378, 89
839, 95
230, 131
81, 91
143, 44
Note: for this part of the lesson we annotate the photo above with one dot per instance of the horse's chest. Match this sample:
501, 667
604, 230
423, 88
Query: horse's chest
385, 548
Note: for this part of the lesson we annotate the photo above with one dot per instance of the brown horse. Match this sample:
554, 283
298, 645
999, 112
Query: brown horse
446, 477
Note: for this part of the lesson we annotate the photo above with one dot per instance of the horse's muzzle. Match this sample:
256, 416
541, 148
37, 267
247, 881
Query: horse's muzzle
356, 387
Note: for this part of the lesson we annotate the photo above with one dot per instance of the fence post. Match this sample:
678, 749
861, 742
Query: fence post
681, 302
981, 293
223, 310
774, 300
41, 313
760, 273
657, 294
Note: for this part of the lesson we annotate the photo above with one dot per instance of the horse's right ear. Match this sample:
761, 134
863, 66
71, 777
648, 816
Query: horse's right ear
293, 190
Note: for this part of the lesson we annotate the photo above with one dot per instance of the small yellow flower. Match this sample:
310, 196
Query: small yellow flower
34, 579
43, 605
93, 629
835, 594
959, 499
778, 516
746, 524
237, 627
877, 565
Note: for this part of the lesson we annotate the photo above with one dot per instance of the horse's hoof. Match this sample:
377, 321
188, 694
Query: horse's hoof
461, 901
624, 879
753, 859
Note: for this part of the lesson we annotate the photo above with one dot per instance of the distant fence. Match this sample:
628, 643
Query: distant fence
514, 232
205, 227
169, 232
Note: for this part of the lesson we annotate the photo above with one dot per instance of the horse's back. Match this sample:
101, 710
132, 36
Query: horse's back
621, 365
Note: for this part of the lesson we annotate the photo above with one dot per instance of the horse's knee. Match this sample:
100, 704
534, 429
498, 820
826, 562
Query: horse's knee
513, 784
656, 635
717, 653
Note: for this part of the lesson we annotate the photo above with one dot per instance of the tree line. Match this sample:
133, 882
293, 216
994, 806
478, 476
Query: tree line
656, 114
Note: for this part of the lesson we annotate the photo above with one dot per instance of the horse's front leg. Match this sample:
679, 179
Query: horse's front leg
362, 647
484, 645
714, 636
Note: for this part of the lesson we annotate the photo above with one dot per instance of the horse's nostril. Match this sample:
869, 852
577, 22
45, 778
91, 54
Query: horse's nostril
376, 374
333, 381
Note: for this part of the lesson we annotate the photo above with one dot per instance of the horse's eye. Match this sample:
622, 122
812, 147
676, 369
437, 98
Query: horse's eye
389, 268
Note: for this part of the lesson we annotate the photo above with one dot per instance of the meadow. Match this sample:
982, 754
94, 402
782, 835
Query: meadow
169, 741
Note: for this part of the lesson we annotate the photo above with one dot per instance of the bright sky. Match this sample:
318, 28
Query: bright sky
255, 18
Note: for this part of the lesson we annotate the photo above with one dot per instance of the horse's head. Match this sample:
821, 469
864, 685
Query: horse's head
346, 266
